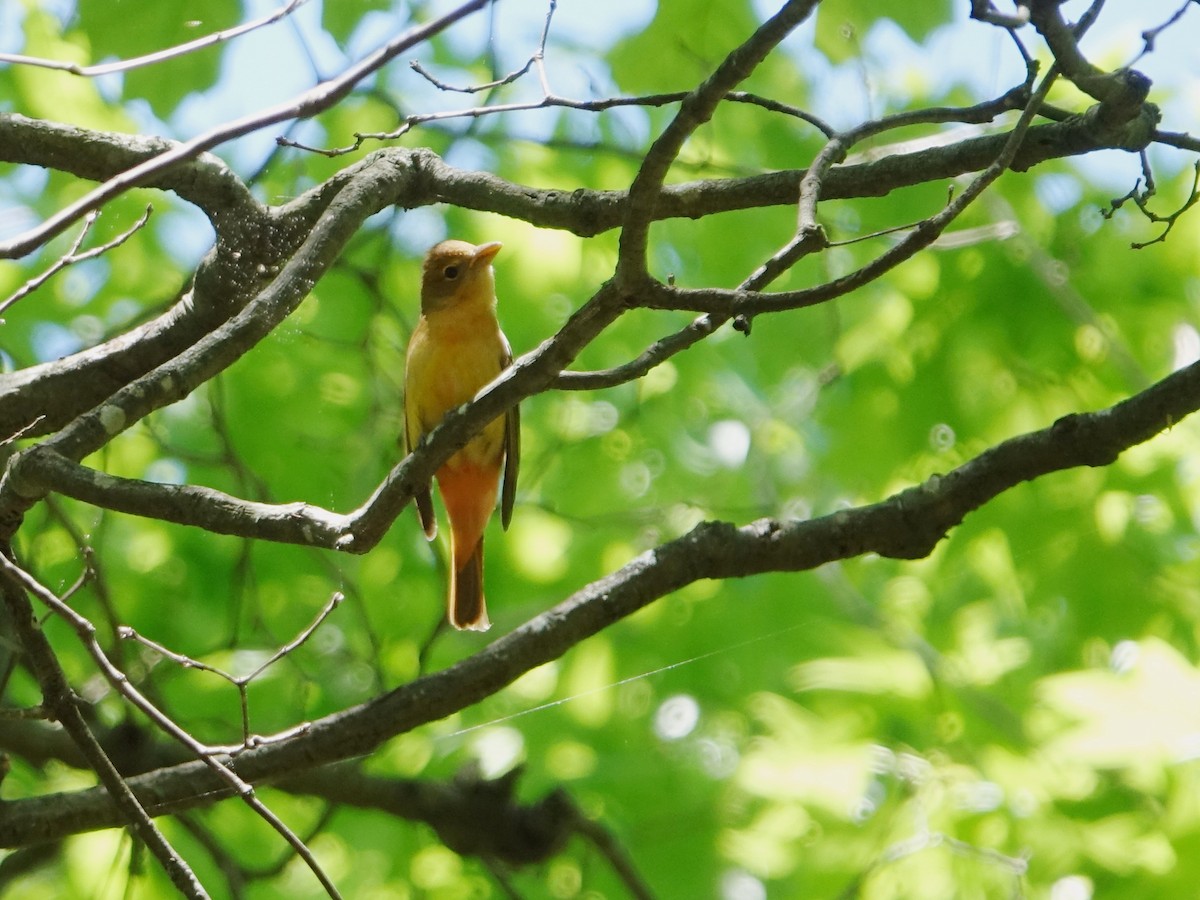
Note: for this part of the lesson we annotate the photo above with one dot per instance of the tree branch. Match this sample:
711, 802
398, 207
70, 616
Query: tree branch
120, 682
61, 390
124, 65
73, 256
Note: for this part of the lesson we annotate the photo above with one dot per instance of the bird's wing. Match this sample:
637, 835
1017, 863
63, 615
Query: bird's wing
512, 448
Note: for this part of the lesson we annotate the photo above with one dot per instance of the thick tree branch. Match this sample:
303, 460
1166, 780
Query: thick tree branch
483, 818
44, 467
908, 525
203, 179
253, 246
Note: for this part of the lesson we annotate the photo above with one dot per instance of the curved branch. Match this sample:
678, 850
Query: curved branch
550, 101
363, 528
907, 525
656, 354
696, 109
61, 390
203, 180
590, 212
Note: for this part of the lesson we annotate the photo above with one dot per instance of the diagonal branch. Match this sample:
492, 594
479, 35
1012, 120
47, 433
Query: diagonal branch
218, 349
60, 391
124, 65
73, 256
361, 530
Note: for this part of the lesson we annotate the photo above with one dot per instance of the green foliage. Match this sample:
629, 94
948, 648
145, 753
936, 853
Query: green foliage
1012, 714
341, 19
146, 26
842, 24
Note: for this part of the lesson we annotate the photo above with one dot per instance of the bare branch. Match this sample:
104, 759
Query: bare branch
219, 348
73, 256
694, 111
1177, 139
656, 354
1141, 198
749, 303
1114, 88
809, 238
239, 681
549, 101
1150, 35
158, 56
985, 11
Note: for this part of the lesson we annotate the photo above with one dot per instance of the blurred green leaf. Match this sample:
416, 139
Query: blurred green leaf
842, 25
149, 26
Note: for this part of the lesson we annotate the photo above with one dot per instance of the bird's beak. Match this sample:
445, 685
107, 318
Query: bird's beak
484, 254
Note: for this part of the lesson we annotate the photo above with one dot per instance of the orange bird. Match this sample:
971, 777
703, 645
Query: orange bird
456, 349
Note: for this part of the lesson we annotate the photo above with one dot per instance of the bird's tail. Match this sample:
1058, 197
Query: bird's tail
466, 605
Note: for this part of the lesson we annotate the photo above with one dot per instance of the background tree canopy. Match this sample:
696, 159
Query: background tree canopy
855, 548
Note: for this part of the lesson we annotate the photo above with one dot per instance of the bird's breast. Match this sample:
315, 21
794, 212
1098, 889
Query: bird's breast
450, 359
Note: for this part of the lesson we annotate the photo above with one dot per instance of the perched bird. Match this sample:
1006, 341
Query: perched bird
455, 350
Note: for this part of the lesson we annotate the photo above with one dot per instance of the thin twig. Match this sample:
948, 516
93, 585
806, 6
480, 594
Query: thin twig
1150, 35
547, 102
741, 302
1172, 218
512, 76
20, 432
73, 256
535, 58
239, 681
549, 99
124, 65
809, 237
1141, 196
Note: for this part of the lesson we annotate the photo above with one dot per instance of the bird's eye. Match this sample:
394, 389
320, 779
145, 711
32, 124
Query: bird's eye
451, 272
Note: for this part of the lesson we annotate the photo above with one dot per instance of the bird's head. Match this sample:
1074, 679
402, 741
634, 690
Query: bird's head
455, 272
